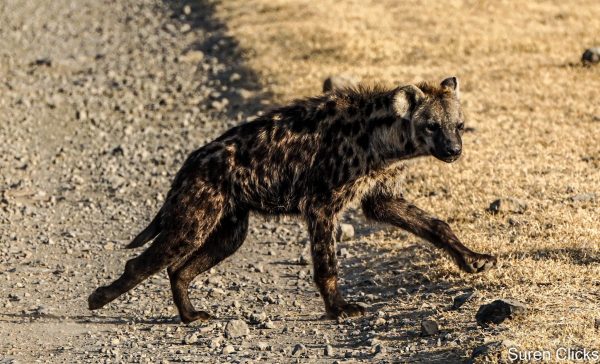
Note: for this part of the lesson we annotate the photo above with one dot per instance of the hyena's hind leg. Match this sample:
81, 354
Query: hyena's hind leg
185, 232
224, 240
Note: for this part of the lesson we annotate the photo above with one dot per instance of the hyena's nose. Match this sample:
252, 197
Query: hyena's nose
453, 149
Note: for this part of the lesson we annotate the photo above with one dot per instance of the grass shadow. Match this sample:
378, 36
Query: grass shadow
576, 256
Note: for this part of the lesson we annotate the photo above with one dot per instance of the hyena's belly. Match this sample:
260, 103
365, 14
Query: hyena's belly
269, 194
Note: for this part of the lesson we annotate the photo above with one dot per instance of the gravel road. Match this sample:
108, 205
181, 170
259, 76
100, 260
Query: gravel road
100, 102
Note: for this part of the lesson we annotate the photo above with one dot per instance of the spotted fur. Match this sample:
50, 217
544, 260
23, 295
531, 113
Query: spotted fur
311, 158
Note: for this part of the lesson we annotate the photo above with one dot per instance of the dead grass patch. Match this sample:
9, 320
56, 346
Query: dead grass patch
536, 115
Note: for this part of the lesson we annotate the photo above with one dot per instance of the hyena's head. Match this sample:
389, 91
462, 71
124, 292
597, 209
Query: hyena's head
436, 118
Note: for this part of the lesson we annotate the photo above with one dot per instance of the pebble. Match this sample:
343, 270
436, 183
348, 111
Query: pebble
591, 56
228, 349
429, 328
191, 339
507, 205
379, 321
192, 57
268, 324
299, 349
216, 342
236, 328
379, 350
498, 311
338, 83
345, 232
491, 351
262, 346
460, 300
257, 318
584, 197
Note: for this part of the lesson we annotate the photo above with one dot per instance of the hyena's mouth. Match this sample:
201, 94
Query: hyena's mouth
448, 158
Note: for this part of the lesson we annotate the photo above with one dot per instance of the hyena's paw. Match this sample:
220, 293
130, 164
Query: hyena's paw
99, 298
195, 316
478, 263
344, 310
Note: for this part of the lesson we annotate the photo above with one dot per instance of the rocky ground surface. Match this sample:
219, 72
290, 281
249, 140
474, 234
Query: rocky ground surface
100, 102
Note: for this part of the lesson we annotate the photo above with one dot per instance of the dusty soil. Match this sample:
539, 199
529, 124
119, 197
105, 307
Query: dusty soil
100, 102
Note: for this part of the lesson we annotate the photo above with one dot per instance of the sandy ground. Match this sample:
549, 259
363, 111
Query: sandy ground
100, 102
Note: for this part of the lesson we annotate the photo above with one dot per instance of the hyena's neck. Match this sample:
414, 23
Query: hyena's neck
392, 138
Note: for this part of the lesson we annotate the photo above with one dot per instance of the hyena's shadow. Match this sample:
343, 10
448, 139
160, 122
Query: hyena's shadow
403, 279
87, 319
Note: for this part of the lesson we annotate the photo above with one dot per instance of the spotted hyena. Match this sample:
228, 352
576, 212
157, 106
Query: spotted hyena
311, 158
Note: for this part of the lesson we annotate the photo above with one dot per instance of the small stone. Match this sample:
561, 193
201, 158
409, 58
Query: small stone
429, 328
245, 94
81, 115
379, 350
584, 197
344, 253
187, 10
338, 83
379, 322
345, 232
228, 350
498, 311
43, 62
328, 350
191, 339
509, 204
591, 56
597, 323
42, 311
262, 346
216, 292
462, 299
257, 318
192, 57
298, 350
185, 28
236, 328
493, 351
216, 342
268, 324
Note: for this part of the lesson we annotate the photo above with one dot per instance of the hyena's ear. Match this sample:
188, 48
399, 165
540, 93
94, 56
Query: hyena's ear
407, 98
452, 84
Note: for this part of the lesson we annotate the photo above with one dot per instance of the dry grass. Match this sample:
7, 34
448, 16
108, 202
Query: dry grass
536, 114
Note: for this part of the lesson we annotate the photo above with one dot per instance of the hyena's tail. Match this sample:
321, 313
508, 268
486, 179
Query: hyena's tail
149, 233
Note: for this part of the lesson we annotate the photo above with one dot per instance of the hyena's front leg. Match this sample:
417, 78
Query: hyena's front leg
399, 212
321, 228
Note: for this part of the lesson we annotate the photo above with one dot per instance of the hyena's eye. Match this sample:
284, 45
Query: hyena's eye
460, 126
432, 127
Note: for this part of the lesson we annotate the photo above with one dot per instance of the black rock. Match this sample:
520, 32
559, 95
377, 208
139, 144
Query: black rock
493, 351
462, 299
429, 328
498, 311
507, 205
591, 56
